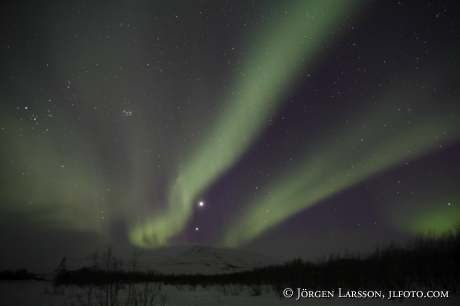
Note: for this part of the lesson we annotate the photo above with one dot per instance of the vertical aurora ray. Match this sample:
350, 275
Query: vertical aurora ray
57, 187
355, 154
281, 51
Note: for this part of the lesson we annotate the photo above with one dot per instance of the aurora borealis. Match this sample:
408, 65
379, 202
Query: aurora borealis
303, 127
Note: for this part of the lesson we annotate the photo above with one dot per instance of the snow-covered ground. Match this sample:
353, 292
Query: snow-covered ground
35, 293
184, 259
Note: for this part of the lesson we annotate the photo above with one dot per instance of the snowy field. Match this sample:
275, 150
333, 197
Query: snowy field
41, 294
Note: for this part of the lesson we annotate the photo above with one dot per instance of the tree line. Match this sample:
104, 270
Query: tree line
428, 262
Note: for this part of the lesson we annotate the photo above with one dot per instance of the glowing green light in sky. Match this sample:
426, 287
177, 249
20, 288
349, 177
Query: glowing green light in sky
379, 138
436, 214
55, 183
68, 179
282, 50
437, 221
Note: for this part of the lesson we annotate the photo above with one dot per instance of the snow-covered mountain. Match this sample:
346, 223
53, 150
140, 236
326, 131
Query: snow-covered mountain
209, 260
186, 259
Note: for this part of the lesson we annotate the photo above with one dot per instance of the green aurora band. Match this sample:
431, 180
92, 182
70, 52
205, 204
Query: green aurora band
69, 186
380, 139
282, 50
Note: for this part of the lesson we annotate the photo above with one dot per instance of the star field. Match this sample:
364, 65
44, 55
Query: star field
293, 128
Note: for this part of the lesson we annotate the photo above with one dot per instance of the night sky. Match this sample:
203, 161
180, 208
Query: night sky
293, 128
